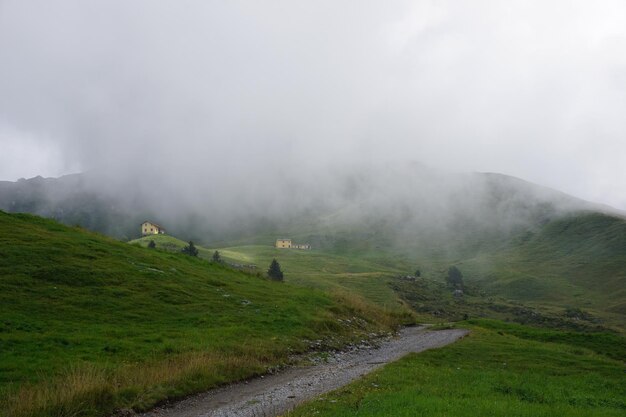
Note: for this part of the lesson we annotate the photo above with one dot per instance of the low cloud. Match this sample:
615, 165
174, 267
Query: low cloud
220, 99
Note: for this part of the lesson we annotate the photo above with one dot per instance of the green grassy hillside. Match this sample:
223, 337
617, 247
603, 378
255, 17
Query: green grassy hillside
573, 262
88, 323
324, 270
170, 244
498, 370
571, 268
321, 269
576, 261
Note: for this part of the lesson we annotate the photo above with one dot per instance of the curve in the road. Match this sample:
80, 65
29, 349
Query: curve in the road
275, 394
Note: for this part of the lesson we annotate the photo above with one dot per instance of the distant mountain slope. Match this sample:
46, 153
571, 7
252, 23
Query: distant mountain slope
403, 205
70, 199
578, 260
439, 214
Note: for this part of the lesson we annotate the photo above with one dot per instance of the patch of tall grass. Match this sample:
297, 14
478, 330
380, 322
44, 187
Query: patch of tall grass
381, 315
91, 390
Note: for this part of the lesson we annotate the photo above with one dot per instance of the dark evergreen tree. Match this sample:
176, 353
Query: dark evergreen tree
152, 245
455, 277
216, 257
190, 249
274, 272
418, 273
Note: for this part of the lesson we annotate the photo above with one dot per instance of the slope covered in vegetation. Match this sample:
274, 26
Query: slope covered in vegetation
576, 261
170, 244
88, 323
573, 267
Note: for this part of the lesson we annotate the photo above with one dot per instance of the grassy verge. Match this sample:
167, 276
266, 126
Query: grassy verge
89, 324
498, 370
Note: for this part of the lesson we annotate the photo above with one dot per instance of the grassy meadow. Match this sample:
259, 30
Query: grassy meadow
324, 270
320, 269
569, 272
571, 263
499, 369
89, 324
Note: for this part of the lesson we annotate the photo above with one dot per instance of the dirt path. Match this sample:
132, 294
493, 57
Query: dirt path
273, 395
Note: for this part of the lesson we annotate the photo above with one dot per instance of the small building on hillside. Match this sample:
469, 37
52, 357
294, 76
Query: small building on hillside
288, 244
150, 228
283, 243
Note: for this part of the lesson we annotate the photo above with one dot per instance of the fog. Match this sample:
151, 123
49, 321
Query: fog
272, 108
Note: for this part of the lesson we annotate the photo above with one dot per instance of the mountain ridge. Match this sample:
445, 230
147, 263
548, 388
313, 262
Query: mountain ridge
409, 199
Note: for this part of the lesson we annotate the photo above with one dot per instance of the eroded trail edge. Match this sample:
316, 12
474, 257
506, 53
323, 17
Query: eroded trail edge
273, 395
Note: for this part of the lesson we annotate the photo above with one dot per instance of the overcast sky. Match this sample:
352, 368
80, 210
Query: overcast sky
534, 89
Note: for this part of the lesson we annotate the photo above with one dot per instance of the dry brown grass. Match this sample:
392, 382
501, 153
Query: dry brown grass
389, 318
81, 390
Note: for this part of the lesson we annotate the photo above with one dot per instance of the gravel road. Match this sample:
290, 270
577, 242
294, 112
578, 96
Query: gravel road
272, 395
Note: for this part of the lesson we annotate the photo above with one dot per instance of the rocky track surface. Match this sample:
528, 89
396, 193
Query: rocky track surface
272, 395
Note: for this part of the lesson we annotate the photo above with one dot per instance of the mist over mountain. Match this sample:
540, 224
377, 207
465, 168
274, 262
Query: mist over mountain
242, 121
394, 203
219, 98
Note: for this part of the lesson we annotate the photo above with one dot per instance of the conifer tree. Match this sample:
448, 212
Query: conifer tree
190, 249
274, 272
455, 277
